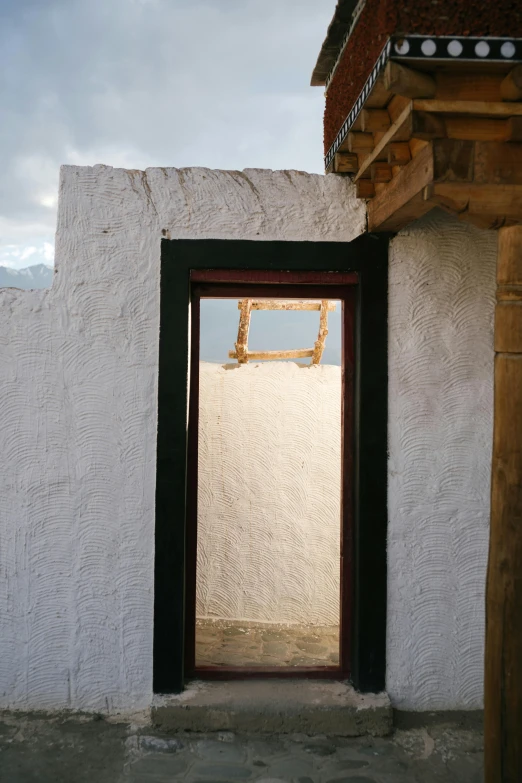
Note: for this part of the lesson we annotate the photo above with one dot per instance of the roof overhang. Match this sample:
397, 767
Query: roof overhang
339, 28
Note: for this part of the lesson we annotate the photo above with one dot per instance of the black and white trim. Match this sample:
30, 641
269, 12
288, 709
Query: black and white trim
454, 47
425, 48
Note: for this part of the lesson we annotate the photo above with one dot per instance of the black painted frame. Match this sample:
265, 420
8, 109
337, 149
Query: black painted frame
368, 256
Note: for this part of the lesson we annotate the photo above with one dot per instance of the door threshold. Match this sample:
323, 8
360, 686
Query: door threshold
271, 706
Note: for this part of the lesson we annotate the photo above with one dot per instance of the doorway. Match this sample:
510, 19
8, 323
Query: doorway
269, 575
186, 264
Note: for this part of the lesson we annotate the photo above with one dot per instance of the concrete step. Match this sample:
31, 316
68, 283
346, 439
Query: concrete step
275, 707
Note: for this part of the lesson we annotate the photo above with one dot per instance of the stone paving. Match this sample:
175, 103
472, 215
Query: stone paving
80, 750
234, 643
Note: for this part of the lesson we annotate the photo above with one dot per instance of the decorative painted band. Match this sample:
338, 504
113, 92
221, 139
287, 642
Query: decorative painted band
425, 47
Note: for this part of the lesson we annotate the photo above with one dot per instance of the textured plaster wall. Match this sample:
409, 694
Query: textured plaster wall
441, 297
78, 383
269, 492
78, 376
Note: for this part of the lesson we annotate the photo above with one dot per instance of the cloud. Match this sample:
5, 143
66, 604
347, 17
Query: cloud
136, 83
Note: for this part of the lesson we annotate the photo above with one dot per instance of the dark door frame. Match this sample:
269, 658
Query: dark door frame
368, 257
284, 285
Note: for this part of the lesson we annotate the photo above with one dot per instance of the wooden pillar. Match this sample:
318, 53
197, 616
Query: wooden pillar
503, 674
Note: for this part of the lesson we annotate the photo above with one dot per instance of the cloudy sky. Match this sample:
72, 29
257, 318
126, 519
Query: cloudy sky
137, 83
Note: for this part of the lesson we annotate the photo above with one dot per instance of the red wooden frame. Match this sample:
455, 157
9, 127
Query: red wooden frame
288, 285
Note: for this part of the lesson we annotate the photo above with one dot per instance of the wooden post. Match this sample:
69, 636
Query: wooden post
503, 673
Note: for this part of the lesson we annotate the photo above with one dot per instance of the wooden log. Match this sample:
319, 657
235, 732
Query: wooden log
511, 87
365, 188
399, 153
374, 120
290, 304
503, 201
345, 163
381, 172
503, 665
407, 82
360, 142
298, 353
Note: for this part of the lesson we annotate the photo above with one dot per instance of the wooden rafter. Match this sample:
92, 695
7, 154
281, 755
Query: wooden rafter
242, 354
438, 139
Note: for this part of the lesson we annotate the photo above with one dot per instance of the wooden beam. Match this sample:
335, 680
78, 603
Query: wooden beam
290, 304
502, 201
403, 199
381, 172
345, 163
298, 353
476, 108
511, 87
503, 668
407, 82
374, 120
365, 188
399, 153
399, 131
472, 85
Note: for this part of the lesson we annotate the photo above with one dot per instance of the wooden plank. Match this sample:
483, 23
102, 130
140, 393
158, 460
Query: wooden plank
374, 120
345, 163
365, 188
299, 353
381, 172
290, 304
511, 87
475, 108
323, 331
407, 82
399, 153
403, 199
399, 131
473, 85
503, 663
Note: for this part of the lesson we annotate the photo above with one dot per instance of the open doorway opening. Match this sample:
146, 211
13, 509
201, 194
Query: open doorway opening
270, 480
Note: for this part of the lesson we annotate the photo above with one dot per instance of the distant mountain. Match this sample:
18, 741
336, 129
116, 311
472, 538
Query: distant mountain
37, 276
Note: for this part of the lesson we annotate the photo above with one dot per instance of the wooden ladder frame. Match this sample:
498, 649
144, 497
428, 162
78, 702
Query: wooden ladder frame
242, 354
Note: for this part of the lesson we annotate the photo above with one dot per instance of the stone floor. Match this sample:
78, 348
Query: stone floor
234, 643
85, 750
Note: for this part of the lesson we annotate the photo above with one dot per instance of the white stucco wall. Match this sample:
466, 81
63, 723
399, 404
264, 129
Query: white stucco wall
78, 378
441, 302
269, 492
78, 384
